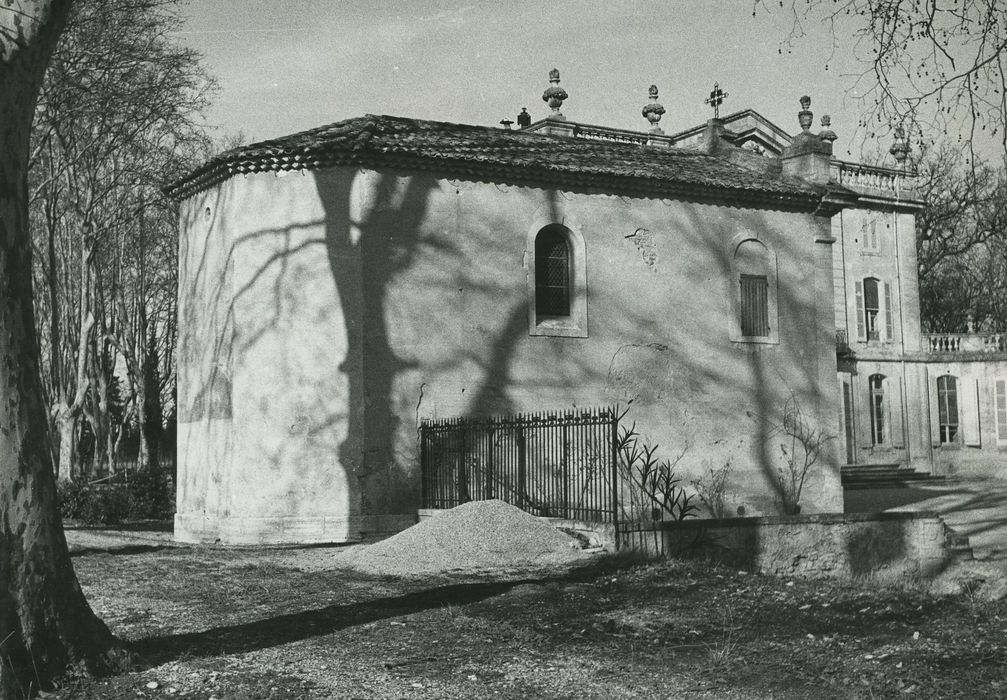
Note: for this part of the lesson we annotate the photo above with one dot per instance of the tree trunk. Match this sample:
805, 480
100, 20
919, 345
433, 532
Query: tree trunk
66, 425
46, 623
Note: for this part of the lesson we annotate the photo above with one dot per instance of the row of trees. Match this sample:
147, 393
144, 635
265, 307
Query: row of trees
117, 117
98, 108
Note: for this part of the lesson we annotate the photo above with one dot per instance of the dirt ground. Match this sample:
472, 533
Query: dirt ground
292, 623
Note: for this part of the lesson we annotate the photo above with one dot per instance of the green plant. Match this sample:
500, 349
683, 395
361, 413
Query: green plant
652, 484
801, 449
105, 504
72, 497
148, 494
151, 495
712, 487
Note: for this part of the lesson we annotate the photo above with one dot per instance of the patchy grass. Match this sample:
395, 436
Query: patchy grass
287, 624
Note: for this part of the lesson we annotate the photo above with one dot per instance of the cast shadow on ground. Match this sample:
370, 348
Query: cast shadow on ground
881, 499
307, 624
294, 627
118, 550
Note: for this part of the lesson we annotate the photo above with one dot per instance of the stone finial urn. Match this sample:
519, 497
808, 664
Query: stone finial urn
654, 111
554, 95
805, 116
900, 148
827, 134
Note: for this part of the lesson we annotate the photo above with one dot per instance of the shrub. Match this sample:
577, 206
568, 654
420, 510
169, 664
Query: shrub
711, 489
147, 494
806, 443
106, 504
653, 485
151, 495
72, 497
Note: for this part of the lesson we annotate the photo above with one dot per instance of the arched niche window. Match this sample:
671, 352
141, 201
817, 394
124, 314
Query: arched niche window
947, 408
874, 310
755, 316
557, 282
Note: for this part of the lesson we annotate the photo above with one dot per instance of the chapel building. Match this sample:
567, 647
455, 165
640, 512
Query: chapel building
339, 285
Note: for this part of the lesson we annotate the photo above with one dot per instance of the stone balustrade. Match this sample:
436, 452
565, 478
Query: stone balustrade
965, 342
870, 177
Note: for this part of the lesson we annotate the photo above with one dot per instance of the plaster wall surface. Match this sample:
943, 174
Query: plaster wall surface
362, 302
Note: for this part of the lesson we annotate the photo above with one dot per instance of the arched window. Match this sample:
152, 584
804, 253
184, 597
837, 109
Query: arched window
876, 382
947, 408
557, 280
552, 274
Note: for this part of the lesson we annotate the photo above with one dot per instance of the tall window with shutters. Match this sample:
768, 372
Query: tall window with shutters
872, 309
947, 408
875, 321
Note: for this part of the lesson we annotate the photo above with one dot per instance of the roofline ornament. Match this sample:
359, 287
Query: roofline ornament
654, 111
554, 95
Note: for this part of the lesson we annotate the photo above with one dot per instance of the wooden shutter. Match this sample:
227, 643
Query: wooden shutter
888, 313
1000, 410
754, 306
861, 331
866, 420
848, 423
894, 411
968, 407
935, 419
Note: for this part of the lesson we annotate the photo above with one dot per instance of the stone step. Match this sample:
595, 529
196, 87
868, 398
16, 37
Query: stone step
871, 467
885, 476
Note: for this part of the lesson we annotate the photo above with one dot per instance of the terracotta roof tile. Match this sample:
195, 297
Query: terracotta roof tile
521, 157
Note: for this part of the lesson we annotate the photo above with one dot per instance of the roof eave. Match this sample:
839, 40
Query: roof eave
215, 173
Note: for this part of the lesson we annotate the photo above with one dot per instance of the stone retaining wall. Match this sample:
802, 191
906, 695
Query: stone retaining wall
890, 545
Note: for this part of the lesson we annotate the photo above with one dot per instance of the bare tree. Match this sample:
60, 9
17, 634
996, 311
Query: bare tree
961, 239
929, 65
45, 622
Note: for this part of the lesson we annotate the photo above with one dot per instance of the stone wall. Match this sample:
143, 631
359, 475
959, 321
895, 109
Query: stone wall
887, 545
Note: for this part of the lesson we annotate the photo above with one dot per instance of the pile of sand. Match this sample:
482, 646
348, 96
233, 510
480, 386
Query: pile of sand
475, 535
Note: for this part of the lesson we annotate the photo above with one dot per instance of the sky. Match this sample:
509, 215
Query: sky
289, 65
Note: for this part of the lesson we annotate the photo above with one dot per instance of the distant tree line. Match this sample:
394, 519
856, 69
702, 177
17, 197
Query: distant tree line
118, 116
961, 237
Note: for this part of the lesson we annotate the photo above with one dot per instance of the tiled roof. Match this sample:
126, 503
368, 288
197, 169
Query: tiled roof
500, 155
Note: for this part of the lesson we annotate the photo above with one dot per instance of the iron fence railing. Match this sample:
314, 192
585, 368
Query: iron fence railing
553, 464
